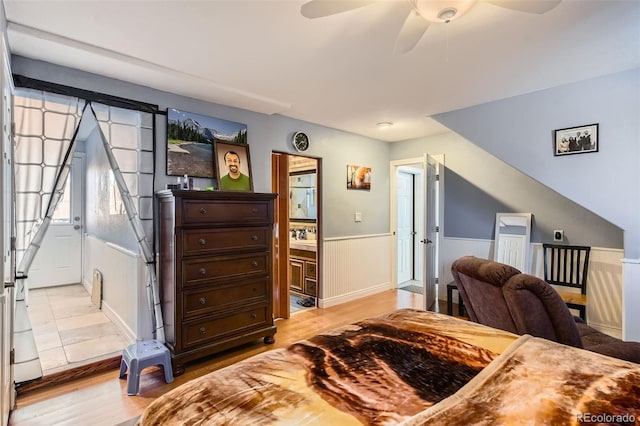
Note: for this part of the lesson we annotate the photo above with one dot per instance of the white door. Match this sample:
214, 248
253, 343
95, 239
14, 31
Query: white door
7, 272
431, 231
406, 235
59, 259
511, 250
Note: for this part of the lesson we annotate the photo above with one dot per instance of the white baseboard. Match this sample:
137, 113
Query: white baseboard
122, 327
336, 300
611, 331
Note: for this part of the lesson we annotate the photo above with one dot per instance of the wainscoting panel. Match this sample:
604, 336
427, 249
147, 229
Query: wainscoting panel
121, 280
354, 267
455, 248
604, 287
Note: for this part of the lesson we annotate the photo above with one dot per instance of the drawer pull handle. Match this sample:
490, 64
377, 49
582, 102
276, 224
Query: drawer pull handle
254, 263
254, 316
254, 289
202, 271
203, 301
202, 241
203, 210
254, 237
255, 210
203, 330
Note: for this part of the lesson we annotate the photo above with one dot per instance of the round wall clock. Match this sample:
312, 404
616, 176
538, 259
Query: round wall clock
300, 141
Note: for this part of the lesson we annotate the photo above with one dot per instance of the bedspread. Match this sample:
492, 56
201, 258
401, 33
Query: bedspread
538, 382
409, 367
378, 371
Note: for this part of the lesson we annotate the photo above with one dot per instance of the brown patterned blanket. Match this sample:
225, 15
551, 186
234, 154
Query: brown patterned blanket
387, 370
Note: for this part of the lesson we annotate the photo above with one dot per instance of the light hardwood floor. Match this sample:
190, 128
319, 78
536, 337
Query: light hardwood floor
101, 399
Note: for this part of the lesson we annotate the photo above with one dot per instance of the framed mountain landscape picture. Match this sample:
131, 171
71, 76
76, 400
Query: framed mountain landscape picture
191, 138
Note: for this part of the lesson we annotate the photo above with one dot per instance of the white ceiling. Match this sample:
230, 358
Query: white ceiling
339, 71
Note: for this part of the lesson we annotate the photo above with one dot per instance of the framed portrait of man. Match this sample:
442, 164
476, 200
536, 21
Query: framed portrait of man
233, 166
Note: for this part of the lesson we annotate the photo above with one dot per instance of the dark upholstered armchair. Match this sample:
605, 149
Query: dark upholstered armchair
500, 296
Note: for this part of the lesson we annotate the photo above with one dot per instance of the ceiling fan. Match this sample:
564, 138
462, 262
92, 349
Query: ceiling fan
423, 13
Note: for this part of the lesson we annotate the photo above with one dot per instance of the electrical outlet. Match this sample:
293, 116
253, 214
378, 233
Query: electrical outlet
558, 235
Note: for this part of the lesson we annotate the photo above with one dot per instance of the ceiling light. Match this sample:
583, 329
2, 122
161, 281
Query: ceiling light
447, 14
442, 10
384, 124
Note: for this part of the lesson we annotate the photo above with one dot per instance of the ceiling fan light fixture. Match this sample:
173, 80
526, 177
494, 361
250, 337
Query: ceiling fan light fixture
447, 14
442, 11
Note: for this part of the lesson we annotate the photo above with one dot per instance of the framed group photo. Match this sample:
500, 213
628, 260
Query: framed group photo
576, 140
233, 166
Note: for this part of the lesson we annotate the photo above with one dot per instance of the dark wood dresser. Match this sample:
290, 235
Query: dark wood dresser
215, 271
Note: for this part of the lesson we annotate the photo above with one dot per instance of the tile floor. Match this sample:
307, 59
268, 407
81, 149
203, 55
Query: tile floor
295, 306
69, 329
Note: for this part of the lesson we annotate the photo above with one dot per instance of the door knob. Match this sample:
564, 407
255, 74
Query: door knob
76, 227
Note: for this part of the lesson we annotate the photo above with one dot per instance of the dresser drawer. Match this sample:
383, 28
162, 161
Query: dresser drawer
215, 241
201, 332
196, 272
226, 212
210, 300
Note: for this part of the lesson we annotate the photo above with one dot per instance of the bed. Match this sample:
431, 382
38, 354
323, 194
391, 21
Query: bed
409, 367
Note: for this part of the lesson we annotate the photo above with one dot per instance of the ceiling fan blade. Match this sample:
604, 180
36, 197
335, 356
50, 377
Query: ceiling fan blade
411, 32
529, 6
319, 8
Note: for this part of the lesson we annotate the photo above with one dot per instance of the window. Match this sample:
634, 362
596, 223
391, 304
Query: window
62, 214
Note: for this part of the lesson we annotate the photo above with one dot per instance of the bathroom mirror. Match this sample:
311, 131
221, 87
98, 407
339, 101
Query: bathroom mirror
512, 240
303, 196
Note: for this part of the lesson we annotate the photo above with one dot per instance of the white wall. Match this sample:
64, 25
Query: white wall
519, 131
123, 298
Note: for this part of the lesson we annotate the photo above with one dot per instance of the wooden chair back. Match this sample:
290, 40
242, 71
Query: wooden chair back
568, 266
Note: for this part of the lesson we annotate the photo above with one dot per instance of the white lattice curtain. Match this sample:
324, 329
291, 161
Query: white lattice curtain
46, 129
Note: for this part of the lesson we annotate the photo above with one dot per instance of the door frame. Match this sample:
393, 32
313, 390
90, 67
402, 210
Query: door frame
41, 270
419, 198
418, 163
280, 246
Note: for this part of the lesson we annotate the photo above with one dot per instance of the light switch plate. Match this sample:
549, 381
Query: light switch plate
357, 217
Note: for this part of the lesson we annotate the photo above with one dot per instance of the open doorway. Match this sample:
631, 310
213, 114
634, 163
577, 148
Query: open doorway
84, 203
297, 181
410, 250
69, 326
415, 223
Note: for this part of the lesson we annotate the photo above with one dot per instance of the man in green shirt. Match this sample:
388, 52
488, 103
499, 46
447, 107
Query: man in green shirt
234, 180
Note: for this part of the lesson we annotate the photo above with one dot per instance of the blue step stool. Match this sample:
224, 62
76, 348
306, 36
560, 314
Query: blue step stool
144, 354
